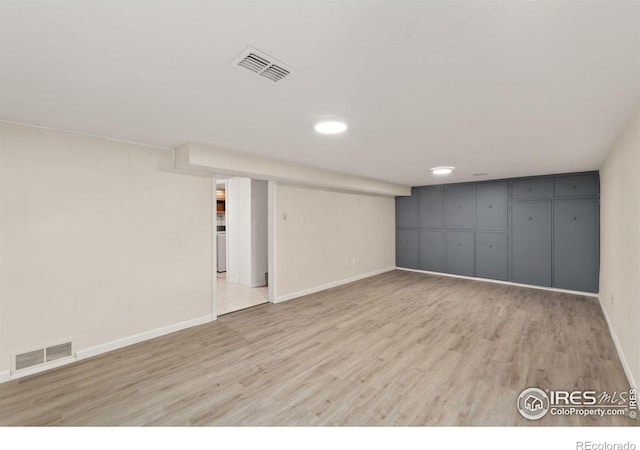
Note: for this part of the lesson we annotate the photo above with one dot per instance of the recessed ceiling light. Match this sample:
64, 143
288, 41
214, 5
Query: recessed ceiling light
331, 127
443, 170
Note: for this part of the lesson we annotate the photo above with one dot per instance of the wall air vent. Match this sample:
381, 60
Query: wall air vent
39, 358
259, 63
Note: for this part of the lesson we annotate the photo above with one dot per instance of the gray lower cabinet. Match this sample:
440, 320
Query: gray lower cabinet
491, 255
460, 206
491, 206
432, 250
460, 252
407, 211
576, 248
407, 248
531, 242
431, 207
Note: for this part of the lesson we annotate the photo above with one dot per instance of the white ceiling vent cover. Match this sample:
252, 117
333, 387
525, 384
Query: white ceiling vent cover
259, 63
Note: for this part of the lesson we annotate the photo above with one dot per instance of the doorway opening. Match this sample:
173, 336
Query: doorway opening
242, 251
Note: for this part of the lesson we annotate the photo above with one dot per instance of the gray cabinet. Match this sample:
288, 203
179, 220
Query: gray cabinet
576, 186
491, 255
576, 249
460, 206
407, 211
431, 250
407, 248
541, 231
431, 207
460, 252
491, 206
531, 242
530, 189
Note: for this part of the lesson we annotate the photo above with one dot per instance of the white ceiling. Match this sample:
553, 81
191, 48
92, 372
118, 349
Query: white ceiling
508, 88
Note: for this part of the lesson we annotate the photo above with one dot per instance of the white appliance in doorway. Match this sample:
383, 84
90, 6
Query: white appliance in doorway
221, 244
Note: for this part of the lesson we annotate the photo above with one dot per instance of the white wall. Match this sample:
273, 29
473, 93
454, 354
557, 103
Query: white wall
325, 237
247, 231
259, 232
99, 240
620, 244
239, 230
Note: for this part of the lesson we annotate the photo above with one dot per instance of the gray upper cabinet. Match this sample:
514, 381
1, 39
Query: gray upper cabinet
492, 206
432, 250
576, 249
407, 248
530, 189
586, 185
460, 206
460, 253
407, 211
431, 207
531, 242
491, 255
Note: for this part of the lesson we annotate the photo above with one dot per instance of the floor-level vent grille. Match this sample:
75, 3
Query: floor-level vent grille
42, 356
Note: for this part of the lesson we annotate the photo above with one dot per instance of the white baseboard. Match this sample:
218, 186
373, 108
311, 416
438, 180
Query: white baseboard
315, 289
109, 346
42, 368
114, 345
623, 360
508, 283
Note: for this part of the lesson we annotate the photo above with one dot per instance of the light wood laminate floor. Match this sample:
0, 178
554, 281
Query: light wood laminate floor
401, 348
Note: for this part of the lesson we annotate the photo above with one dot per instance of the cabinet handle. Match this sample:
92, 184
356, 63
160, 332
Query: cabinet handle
430, 242
490, 206
575, 186
530, 218
530, 189
574, 218
459, 244
491, 246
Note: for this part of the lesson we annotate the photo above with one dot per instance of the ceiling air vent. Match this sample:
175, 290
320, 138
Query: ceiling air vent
257, 62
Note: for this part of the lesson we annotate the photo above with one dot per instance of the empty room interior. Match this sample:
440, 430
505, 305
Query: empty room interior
319, 213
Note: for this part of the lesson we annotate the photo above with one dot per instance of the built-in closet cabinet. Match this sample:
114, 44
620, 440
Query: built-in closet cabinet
542, 231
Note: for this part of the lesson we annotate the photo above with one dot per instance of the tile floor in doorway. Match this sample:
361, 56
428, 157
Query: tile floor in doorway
233, 297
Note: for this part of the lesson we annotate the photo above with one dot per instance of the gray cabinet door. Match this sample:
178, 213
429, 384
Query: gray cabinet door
530, 189
407, 211
431, 250
491, 255
461, 208
576, 186
407, 248
492, 206
431, 207
576, 245
531, 242
460, 252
